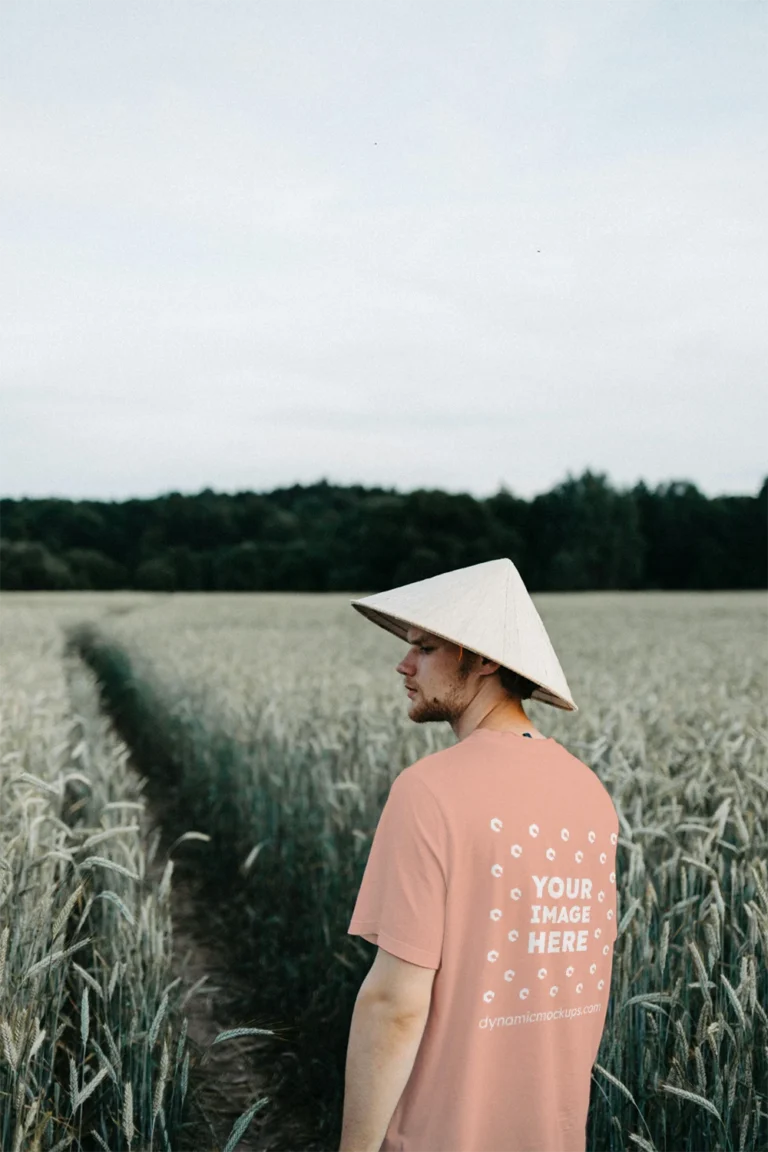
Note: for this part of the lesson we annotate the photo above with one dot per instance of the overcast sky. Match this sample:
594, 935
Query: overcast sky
416, 244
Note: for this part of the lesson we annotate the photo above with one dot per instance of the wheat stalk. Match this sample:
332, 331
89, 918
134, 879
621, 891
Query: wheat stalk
128, 1128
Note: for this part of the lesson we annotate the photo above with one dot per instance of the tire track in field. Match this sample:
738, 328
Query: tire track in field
224, 1079
229, 1080
202, 924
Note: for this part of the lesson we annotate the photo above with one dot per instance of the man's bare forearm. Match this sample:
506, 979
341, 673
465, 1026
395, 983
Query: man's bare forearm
380, 1056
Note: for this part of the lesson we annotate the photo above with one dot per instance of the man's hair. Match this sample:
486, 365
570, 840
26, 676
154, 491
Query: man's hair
512, 682
516, 685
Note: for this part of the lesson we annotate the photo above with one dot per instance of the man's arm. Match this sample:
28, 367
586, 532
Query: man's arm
380, 1056
387, 1026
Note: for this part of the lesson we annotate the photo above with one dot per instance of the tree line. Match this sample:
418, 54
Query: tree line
582, 535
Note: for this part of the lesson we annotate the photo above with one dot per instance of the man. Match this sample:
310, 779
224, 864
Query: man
490, 892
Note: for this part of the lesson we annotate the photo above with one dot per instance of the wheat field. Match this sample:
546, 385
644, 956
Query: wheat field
280, 723
93, 1040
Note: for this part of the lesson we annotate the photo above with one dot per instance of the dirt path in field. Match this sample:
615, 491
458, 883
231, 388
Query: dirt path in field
226, 1079
228, 1086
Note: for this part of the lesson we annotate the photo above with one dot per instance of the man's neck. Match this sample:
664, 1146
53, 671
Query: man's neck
502, 716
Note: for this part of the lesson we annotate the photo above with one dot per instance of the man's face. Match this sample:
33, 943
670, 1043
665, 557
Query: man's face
431, 667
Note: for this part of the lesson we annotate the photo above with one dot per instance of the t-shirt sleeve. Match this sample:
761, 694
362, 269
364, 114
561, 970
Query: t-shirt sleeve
401, 902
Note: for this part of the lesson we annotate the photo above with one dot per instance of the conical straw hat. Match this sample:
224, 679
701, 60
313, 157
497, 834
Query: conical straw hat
485, 608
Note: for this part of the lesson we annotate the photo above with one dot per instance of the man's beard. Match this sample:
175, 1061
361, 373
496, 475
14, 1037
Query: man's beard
449, 709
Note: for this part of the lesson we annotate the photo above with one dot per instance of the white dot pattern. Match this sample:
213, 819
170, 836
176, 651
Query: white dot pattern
559, 890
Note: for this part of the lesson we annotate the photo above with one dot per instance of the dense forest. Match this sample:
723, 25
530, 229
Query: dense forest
582, 535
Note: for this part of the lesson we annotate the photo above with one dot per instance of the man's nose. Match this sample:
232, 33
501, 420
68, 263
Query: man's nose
403, 666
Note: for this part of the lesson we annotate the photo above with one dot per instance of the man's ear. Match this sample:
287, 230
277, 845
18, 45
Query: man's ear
488, 667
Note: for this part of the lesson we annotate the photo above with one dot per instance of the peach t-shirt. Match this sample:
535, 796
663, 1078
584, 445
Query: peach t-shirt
494, 862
